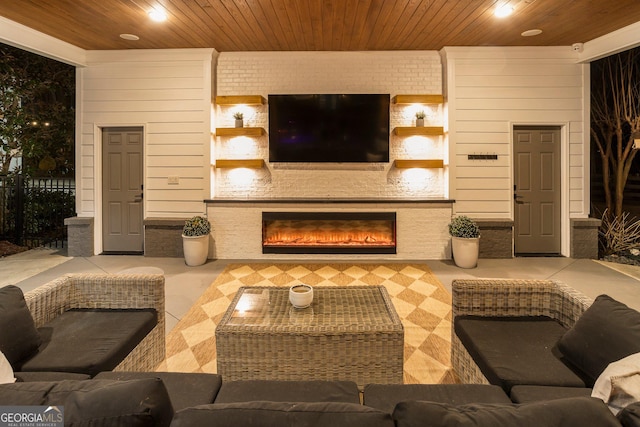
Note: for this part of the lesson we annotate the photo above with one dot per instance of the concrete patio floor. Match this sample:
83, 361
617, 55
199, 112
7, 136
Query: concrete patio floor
185, 284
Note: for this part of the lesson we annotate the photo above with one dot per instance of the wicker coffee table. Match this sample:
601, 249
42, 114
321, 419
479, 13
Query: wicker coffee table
348, 333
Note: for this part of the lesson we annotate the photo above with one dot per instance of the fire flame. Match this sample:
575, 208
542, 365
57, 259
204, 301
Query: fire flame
336, 236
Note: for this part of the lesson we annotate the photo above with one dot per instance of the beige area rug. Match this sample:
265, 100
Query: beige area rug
423, 304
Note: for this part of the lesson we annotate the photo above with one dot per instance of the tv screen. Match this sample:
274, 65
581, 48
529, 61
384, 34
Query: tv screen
329, 128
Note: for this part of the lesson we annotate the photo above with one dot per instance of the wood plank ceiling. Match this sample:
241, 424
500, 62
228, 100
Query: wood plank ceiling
316, 25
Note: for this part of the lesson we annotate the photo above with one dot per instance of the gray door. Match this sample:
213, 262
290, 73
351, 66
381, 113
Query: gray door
537, 190
122, 208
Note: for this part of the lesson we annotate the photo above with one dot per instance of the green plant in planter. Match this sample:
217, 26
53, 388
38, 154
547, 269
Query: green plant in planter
196, 226
420, 115
465, 227
238, 115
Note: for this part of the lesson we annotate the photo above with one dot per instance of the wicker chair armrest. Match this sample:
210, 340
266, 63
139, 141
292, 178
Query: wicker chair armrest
518, 297
109, 291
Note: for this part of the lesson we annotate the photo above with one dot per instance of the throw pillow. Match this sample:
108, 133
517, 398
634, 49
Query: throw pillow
570, 412
606, 332
619, 384
6, 371
19, 338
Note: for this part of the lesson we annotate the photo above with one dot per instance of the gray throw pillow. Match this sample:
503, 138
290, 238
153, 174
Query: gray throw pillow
606, 332
19, 338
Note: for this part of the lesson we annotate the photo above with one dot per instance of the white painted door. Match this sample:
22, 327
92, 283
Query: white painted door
122, 208
537, 190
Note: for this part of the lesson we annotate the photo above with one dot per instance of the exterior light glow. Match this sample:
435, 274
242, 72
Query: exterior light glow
504, 10
158, 15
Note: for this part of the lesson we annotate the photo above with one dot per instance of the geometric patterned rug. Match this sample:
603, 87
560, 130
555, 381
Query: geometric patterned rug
422, 303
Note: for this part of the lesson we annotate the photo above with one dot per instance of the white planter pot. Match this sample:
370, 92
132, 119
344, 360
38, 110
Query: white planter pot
465, 251
196, 249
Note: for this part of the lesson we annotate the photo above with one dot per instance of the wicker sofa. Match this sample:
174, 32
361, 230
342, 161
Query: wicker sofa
96, 295
504, 298
196, 399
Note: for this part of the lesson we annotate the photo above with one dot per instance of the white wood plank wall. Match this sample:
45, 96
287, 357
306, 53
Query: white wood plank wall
169, 93
489, 90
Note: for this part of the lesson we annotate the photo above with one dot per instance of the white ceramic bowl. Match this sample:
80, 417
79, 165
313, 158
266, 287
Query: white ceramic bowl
301, 296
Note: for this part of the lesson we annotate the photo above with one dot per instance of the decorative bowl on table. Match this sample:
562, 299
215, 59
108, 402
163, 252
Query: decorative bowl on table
301, 295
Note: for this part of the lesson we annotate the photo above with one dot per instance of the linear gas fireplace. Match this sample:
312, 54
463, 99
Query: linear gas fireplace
329, 232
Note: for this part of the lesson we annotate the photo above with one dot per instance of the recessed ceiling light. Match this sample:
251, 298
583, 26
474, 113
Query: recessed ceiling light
132, 37
503, 10
158, 15
531, 33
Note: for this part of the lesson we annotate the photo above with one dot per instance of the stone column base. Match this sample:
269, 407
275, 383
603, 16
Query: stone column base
79, 236
584, 237
163, 237
496, 238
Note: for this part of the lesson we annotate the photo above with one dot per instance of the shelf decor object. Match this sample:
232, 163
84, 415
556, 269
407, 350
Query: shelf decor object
419, 130
244, 131
426, 164
239, 163
238, 116
240, 100
418, 99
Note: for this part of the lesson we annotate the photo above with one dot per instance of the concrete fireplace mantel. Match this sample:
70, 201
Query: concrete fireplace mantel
329, 201
421, 225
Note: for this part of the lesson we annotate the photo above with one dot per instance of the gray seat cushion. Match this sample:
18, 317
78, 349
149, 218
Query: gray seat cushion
386, 396
97, 402
516, 350
90, 341
572, 412
48, 376
288, 391
267, 414
185, 389
537, 393
630, 416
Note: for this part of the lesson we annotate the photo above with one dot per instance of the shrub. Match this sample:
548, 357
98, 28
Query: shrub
196, 226
463, 226
618, 234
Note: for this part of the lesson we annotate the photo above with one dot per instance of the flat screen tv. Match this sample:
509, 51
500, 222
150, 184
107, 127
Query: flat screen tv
329, 128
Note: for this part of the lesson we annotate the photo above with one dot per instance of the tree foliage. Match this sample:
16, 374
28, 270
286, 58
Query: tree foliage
615, 118
37, 113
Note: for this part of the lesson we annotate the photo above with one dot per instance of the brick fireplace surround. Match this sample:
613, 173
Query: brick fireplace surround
421, 226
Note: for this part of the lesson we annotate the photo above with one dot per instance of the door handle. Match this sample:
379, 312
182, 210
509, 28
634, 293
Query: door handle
518, 198
138, 198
